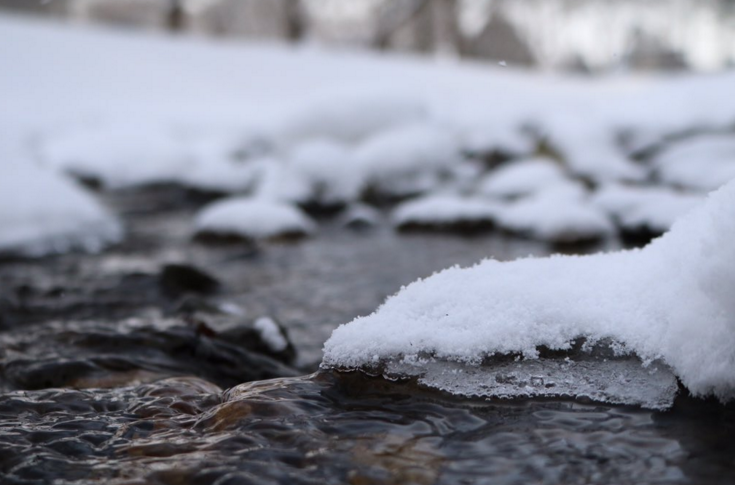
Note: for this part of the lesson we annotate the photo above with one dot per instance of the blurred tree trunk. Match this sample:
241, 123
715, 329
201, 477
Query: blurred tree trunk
447, 36
295, 20
176, 18
419, 25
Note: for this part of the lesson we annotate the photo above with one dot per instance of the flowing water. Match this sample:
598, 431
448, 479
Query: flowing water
116, 368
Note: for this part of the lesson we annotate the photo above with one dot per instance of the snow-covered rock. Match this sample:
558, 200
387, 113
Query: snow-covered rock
521, 178
671, 301
359, 216
496, 141
590, 149
444, 211
42, 213
649, 209
329, 171
701, 163
251, 219
125, 156
558, 214
271, 334
407, 160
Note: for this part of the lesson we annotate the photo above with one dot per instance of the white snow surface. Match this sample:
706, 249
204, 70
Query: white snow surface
521, 177
271, 334
702, 163
560, 213
329, 171
671, 300
42, 213
407, 160
443, 209
121, 156
252, 218
652, 208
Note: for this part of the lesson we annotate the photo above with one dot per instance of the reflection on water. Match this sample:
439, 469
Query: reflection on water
331, 428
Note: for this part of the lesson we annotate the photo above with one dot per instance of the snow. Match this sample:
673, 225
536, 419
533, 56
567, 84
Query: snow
671, 301
521, 178
359, 216
443, 210
589, 149
560, 213
407, 160
349, 117
701, 163
271, 334
42, 213
644, 208
302, 125
121, 156
329, 171
252, 219
503, 139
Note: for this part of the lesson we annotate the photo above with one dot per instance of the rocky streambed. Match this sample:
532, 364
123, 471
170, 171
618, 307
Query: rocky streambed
165, 360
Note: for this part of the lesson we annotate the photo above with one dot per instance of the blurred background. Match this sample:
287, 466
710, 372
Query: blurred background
590, 36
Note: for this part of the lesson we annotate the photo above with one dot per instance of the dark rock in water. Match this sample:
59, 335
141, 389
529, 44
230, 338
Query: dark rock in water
359, 217
92, 354
638, 237
190, 305
465, 227
224, 238
494, 157
161, 197
255, 339
178, 279
320, 209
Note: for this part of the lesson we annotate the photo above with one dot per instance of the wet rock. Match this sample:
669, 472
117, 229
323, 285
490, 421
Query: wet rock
160, 197
87, 354
461, 227
176, 280
270, 339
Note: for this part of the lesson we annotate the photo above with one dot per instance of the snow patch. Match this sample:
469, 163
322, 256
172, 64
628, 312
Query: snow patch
654, 209
701, 163
671, 301
42, 213
521, 178
407, 160
271, 334
443, 210
252, 219
561, 213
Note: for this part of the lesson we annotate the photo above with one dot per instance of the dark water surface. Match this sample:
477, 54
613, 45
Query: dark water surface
117, 369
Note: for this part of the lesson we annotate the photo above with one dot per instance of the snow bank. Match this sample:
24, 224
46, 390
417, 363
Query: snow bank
309, 126
348, 117
560, 213
42, 213
252, 219
652, 209
671, 301
700, 163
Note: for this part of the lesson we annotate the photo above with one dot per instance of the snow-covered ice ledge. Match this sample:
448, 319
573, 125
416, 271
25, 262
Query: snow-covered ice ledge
667, 306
